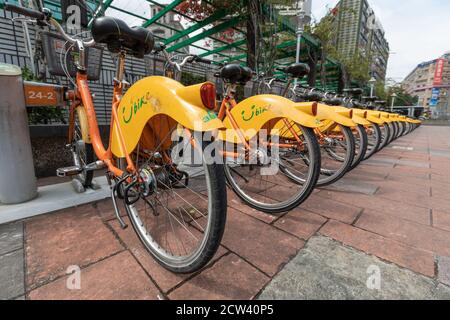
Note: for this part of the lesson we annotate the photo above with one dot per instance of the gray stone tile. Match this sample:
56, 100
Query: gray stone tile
444, 270
440, 153
353, 186
416, 164
11, 275
325, 269
11, 237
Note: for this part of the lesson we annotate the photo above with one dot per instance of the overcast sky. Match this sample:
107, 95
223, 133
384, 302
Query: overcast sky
417, 30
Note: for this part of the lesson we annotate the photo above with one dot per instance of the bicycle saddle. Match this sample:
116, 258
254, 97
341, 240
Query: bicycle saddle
117, 35
236, 74
313, 96
298, 70
370, 99
354, 91
334, 101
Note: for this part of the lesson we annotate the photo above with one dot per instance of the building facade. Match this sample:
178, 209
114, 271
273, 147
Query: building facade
359, 30
167, 25
430, 81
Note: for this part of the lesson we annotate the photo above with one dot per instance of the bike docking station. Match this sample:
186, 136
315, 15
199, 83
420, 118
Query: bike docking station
20, 197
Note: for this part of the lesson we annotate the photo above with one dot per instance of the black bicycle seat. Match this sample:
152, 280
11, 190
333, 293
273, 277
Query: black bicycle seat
334, 101
236, 74
297, 70
118, 36
313, 96
370, 99
354, 91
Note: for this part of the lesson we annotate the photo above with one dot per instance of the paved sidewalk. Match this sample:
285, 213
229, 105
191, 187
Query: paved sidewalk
393, 210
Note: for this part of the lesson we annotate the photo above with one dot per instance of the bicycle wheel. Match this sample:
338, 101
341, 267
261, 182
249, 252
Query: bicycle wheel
402, 129
385, 136
337, 150
281, 183
179, 209
391, 132
374, 140
361, 145
82, 151
397, 130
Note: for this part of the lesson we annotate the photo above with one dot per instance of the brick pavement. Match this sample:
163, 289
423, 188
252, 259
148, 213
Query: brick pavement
401, 214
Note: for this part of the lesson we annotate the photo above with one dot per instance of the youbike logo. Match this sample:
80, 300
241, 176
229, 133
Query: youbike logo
209, 117
137, 105
255, 112
260, 149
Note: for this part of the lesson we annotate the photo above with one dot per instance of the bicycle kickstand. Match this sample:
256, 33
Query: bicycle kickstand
122, 223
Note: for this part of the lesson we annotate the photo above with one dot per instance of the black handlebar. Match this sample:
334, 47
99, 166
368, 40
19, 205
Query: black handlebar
202, 60
40, 16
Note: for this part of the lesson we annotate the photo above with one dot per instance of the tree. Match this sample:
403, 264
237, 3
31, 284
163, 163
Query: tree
402, 98
252, 13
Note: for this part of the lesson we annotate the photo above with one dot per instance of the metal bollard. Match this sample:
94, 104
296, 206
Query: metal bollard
17, 176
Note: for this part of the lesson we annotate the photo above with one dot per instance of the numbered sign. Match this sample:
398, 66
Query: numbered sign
43, 95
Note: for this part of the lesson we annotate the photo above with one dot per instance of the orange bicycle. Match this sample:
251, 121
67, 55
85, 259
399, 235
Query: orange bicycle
176, 204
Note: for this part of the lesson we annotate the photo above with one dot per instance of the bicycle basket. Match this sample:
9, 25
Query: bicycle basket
55, 45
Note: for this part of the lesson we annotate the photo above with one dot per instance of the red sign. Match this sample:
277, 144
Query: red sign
439, 72
43, 95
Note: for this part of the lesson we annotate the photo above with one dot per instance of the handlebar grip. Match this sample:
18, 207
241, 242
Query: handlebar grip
26, 12
158, 47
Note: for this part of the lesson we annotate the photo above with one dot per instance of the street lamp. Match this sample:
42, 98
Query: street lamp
300, 27
372, 82
394, 95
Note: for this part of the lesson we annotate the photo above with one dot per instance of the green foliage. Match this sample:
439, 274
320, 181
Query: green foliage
27, 74
234, 6
403, 98
380, 90
41, 115
190, 79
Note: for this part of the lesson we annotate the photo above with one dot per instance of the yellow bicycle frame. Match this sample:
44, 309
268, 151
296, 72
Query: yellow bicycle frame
160, 101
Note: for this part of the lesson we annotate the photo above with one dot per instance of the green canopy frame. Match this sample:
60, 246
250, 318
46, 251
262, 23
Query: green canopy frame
328, 73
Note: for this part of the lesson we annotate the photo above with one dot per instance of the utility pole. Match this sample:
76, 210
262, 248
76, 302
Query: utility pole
303, 11
372, 82
27, 41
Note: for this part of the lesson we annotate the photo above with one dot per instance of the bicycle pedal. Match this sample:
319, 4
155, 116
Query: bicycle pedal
68, 171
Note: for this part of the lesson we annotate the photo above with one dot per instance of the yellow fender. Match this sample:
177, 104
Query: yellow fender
154, 96
386, 116
375, 117
360, 117
413, 121
255, 113
339, 115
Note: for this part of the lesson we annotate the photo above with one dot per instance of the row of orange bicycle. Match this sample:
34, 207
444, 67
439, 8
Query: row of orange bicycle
173, 148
